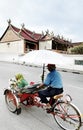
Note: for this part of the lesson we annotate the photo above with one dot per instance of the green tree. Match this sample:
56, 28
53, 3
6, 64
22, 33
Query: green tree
77, 49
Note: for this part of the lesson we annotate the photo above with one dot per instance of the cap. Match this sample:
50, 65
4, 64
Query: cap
53, 66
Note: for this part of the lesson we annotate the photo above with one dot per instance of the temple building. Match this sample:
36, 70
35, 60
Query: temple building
21, 41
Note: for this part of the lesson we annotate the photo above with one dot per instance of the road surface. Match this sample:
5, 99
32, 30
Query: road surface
35, 118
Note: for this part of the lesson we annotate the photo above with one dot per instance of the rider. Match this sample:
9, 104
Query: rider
53, 83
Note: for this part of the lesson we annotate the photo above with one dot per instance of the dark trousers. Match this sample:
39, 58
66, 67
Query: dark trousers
49, 92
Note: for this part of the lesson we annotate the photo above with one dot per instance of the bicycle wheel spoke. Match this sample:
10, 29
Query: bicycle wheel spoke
11, 102
67, 116
74, 117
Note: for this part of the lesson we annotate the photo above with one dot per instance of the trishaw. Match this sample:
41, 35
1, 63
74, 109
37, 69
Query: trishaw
66, 114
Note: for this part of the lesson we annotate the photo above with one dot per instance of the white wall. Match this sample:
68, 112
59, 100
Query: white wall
70, 66
13, 47
73, 57
71, 60
45, 44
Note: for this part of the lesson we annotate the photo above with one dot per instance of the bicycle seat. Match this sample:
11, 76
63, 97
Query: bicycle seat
58, 96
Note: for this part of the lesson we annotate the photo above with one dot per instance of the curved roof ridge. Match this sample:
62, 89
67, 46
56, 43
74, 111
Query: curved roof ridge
33, 34
22, 33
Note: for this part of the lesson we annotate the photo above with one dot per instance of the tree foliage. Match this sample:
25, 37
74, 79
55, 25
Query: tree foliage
77, 49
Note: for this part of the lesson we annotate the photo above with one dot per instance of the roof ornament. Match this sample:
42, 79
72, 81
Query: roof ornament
52, 34
58, 36
23, 25
9, 21
47, 32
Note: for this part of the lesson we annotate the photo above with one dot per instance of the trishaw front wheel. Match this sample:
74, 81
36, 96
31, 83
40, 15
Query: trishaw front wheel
11, 102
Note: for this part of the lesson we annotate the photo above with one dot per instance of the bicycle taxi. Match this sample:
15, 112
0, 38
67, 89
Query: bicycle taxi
66, 114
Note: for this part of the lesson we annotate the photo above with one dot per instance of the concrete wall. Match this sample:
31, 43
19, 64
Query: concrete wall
71, 65
45, 45
12, 47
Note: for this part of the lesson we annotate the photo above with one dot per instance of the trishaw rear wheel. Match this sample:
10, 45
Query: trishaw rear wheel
11, 102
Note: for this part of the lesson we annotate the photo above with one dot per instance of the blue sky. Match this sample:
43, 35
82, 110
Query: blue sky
63, 17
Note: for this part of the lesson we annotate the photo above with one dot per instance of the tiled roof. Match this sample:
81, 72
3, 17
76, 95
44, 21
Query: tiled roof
61, 41
35, 37
15, 29
58, 40
26, 34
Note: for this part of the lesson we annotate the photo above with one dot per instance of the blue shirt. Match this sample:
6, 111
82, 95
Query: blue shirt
53, 79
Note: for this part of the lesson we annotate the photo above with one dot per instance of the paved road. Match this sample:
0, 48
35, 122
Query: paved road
35, 118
